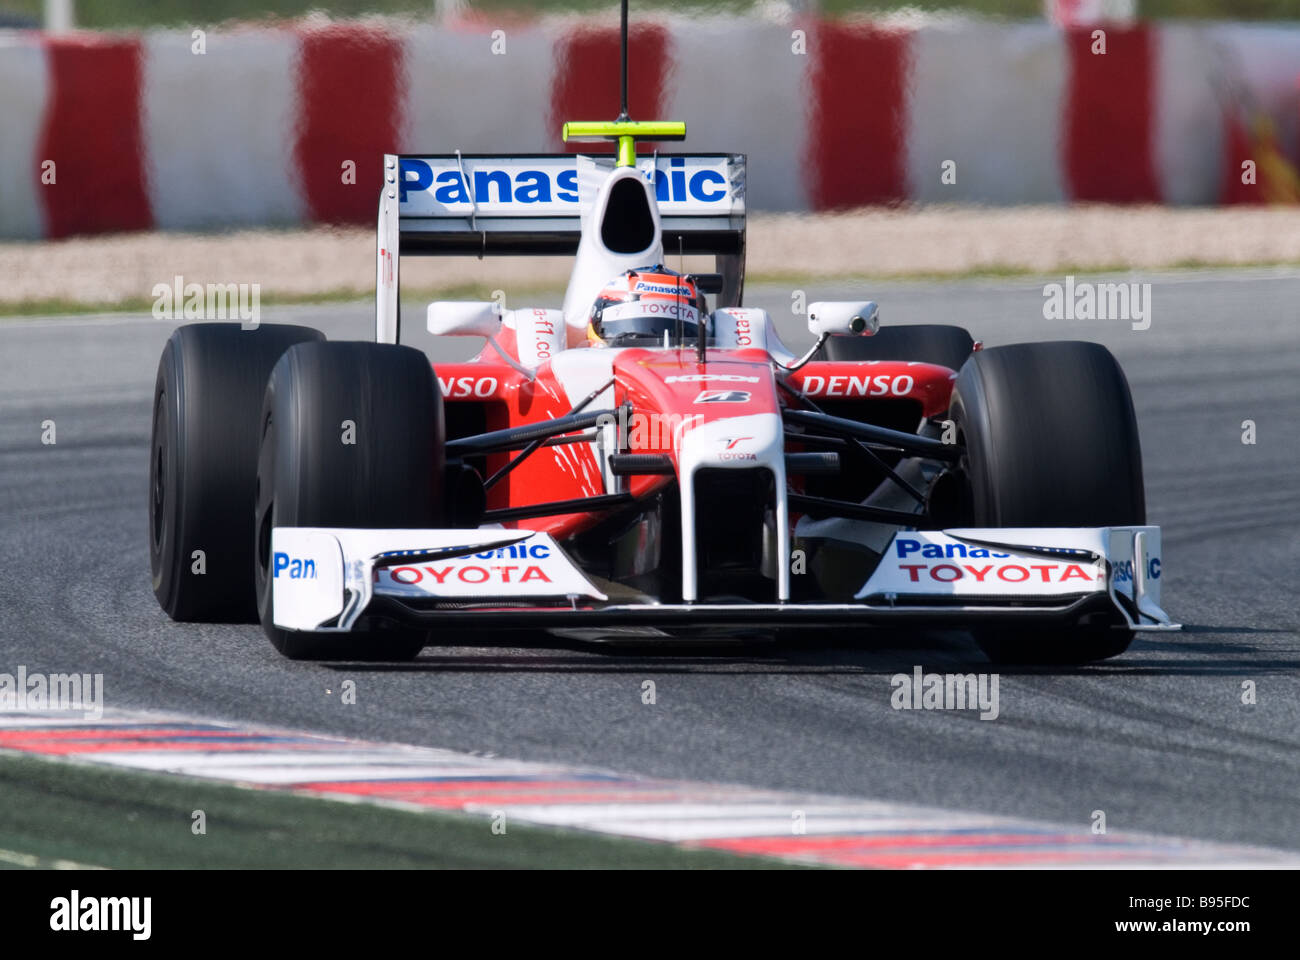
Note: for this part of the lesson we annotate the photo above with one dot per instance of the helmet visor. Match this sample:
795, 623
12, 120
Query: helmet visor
649, 318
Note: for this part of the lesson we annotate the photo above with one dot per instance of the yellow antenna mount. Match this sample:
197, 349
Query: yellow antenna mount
625, 133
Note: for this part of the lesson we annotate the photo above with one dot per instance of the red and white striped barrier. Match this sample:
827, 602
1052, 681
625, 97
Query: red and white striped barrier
122, 132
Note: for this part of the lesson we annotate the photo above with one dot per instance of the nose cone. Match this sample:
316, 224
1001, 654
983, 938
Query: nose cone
672, 383
745, 442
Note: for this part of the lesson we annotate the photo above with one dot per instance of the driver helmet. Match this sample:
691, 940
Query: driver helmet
644, 304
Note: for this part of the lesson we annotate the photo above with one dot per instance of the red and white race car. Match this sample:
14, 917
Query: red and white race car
647, 461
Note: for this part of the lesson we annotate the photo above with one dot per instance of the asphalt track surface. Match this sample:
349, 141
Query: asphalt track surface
1159, 739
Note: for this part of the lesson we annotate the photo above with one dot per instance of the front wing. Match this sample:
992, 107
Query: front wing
334, 579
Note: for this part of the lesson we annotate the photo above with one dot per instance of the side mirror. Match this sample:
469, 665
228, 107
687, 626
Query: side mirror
464, 318
843, 316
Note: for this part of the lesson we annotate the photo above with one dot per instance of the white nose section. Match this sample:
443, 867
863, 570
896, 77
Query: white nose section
620, 231
736, 443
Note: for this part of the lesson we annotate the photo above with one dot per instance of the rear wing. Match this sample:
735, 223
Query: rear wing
466, 204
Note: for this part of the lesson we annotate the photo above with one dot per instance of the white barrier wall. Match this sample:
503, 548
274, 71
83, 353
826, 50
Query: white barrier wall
218, 128
22, 111
990, 99
740, 89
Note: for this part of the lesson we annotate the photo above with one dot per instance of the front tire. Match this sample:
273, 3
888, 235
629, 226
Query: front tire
351, 436
203, 466
1051, 441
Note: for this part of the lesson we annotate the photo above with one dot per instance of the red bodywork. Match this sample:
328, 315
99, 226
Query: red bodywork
665, 387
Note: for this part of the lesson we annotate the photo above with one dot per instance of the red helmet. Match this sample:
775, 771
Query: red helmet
644, 305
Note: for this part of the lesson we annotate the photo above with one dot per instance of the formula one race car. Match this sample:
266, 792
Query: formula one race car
643, 463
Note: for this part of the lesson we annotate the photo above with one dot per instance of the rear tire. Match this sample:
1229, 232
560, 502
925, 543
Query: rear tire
389, 476
939, 343
203, 466
1051, 441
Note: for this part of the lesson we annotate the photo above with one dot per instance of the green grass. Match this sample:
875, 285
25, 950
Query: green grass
57, 306
97, 816
117, 14
996, 272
